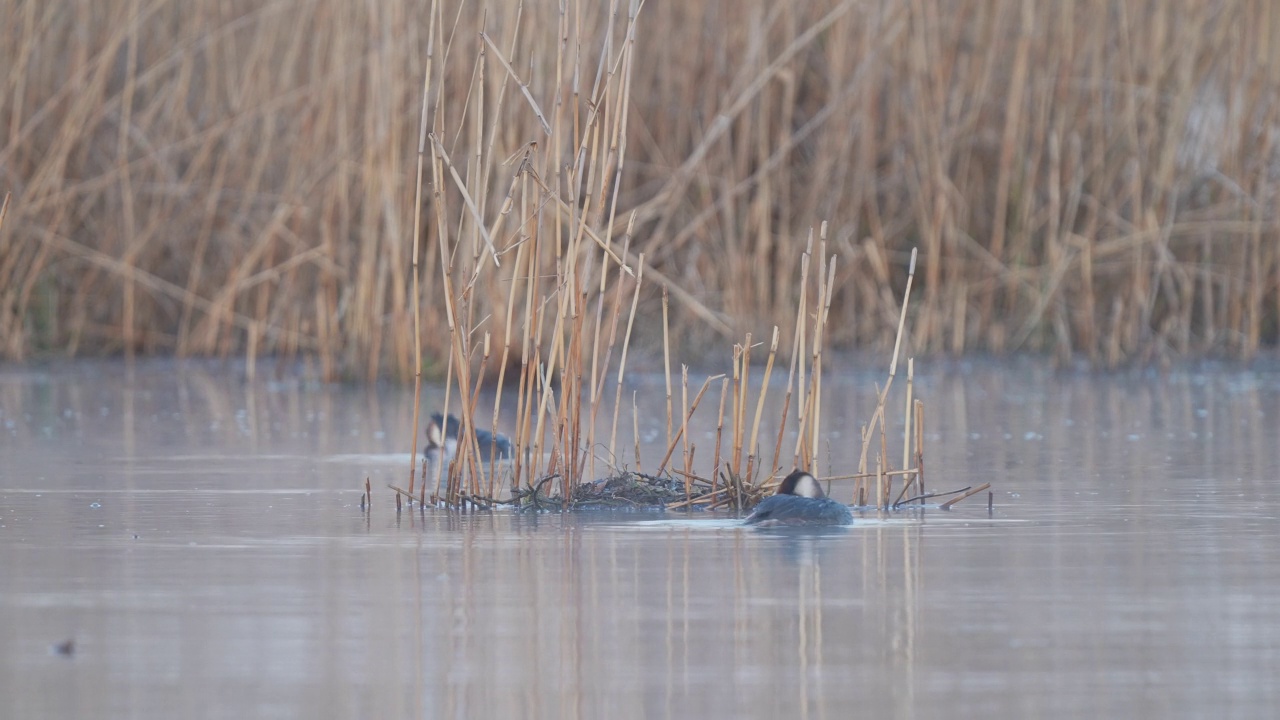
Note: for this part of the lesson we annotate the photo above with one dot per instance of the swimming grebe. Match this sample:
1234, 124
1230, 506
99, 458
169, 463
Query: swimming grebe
799, 501
442, 441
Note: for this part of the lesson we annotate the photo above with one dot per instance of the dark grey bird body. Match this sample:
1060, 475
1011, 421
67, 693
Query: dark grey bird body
800, 501
442, 440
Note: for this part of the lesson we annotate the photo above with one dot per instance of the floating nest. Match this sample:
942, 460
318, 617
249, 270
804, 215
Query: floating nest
639, 491
626, 490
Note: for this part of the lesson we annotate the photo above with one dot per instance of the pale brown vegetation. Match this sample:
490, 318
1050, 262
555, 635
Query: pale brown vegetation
1092, 178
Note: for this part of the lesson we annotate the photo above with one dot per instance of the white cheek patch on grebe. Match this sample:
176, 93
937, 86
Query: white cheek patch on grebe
799, 501
804, 485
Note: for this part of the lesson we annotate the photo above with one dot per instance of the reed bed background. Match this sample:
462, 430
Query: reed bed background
1086, 178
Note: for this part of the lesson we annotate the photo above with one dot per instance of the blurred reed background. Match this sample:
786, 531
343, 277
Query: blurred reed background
1084, 178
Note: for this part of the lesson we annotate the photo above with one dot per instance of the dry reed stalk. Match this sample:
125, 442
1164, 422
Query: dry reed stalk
807, 438
622, 363
740, 405
597, 388
522, 257
666, 360
799, 454
718, 462
799, 343
880, 483
865, 476
886, 468
533, 399
754, 447
920, 446
684, 423
671, 447
735, 443
440, 463
635, 429
532, 318
819, 333
908, 413
968, 493
860, 486
596, 373
475, 400
882, 395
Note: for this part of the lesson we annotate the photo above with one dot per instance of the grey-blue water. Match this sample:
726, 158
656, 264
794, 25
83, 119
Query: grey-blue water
200, 540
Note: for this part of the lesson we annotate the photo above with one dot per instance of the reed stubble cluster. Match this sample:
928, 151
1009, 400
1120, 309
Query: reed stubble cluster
1087, 178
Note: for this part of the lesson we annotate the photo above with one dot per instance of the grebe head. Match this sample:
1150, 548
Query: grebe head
802, 484
442, 436
799, 501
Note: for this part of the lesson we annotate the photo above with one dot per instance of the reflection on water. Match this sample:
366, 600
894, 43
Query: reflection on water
201, 541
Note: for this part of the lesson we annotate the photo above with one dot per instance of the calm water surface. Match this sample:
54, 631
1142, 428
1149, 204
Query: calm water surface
200, 539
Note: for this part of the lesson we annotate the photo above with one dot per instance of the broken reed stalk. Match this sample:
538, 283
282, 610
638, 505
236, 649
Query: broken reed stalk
969, 493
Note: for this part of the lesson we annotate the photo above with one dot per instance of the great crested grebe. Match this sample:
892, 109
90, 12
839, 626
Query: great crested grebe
799, 501
442, 441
